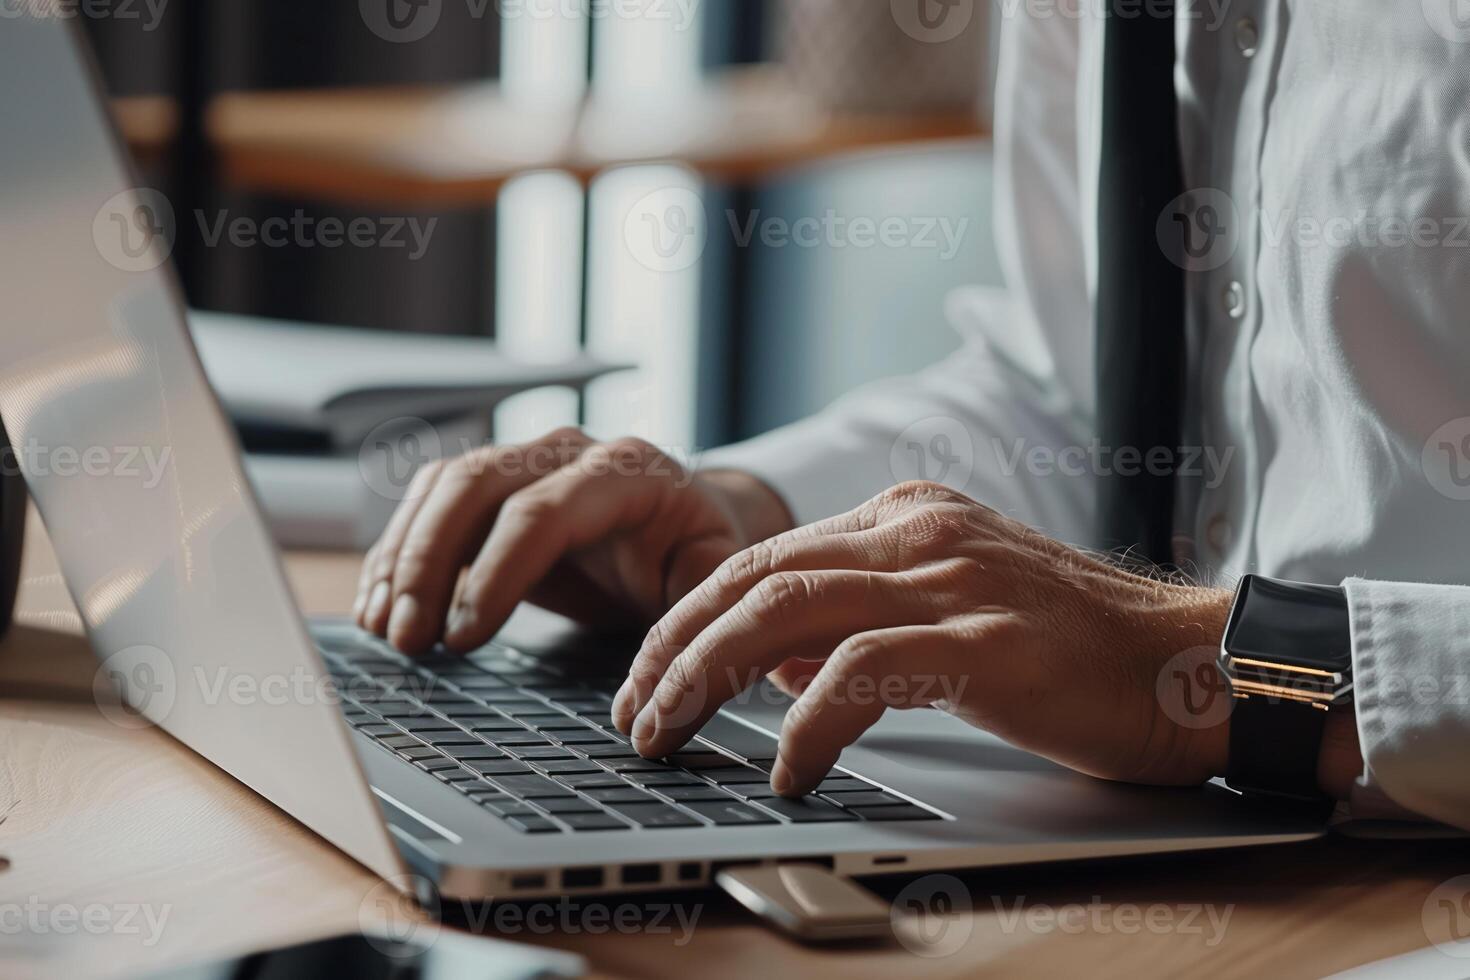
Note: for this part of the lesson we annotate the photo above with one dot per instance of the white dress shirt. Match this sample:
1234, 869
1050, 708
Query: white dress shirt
1328, 146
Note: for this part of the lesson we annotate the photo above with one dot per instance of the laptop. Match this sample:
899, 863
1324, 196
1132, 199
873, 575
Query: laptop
497, 775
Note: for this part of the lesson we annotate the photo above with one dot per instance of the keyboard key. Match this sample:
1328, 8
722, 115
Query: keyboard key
905, 812
522, 737
552, 723
492, 725
864, 798
531, 787
424, 724
591, 821
806, 810
585, 736
434, 765
479, 682
455, 775
563, 767
663, 779
634, 764
569, 804
731, 814
540, 752
448, 740
419, 751
700, 760
737, 739
533, 825
617, 794
734, 776
402, 742
589, 780
701, 792
504, 806
610, 751
496, 767
656, 815
843, 784
466, 753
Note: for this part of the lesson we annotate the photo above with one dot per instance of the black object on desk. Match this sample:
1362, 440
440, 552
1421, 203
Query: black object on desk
12, 529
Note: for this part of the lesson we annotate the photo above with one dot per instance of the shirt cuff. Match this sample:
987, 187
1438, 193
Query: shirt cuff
1411, 680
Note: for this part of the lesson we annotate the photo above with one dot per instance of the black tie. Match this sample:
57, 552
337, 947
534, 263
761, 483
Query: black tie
1140, 288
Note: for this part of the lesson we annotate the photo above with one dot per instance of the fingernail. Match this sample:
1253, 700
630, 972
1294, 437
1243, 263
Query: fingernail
377, 603
405, 616
622, 706
780, 778
460, 621
645, 726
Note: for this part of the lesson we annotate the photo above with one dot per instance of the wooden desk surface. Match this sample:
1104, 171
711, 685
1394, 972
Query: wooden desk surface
458, 145
127, 851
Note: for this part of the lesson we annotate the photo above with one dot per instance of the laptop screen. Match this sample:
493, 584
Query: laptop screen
133, 466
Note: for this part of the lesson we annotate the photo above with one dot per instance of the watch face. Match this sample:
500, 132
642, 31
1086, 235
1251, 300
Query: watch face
1304, 626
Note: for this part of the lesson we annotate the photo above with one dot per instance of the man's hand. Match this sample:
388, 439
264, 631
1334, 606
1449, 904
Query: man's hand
604, 533
923, 597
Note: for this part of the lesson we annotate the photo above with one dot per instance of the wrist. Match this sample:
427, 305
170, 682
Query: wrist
757, 512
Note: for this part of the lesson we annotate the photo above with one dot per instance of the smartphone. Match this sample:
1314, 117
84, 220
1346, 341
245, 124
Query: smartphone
429, 954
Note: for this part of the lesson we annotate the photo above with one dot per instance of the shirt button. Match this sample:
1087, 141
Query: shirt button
1247, 36
1233, 300
1218, 533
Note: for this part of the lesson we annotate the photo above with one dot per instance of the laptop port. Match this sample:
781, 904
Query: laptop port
582, 878
642, 874
890, 859
528, 881
690, 871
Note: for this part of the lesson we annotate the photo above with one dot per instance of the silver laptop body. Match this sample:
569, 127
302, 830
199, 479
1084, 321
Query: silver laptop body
139, 479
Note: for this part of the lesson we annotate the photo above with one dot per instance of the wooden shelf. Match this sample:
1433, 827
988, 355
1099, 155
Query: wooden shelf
458, 146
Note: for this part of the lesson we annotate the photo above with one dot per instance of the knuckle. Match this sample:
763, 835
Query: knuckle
755, 562
781, 594
529, 506
858, 654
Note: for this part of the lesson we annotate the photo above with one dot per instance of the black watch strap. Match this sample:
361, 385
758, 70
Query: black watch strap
1274, 744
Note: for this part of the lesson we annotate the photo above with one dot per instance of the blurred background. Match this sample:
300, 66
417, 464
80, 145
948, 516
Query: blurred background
756, 204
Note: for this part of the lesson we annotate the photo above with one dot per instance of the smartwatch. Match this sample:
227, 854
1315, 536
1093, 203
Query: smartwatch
1287, 654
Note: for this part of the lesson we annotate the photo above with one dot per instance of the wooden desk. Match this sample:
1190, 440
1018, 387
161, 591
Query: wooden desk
457, 146
108, 818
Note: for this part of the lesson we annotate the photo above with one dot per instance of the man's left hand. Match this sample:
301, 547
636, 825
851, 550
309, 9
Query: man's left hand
925, 598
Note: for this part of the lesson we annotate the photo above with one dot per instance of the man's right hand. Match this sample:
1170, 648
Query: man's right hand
606, 533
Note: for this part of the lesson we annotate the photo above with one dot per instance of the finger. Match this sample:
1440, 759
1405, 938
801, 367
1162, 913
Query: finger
906, 667
836, 543
578, 506
375, 590
788, 614
449, 528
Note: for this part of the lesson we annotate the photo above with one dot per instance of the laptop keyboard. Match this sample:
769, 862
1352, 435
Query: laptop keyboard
541, 753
